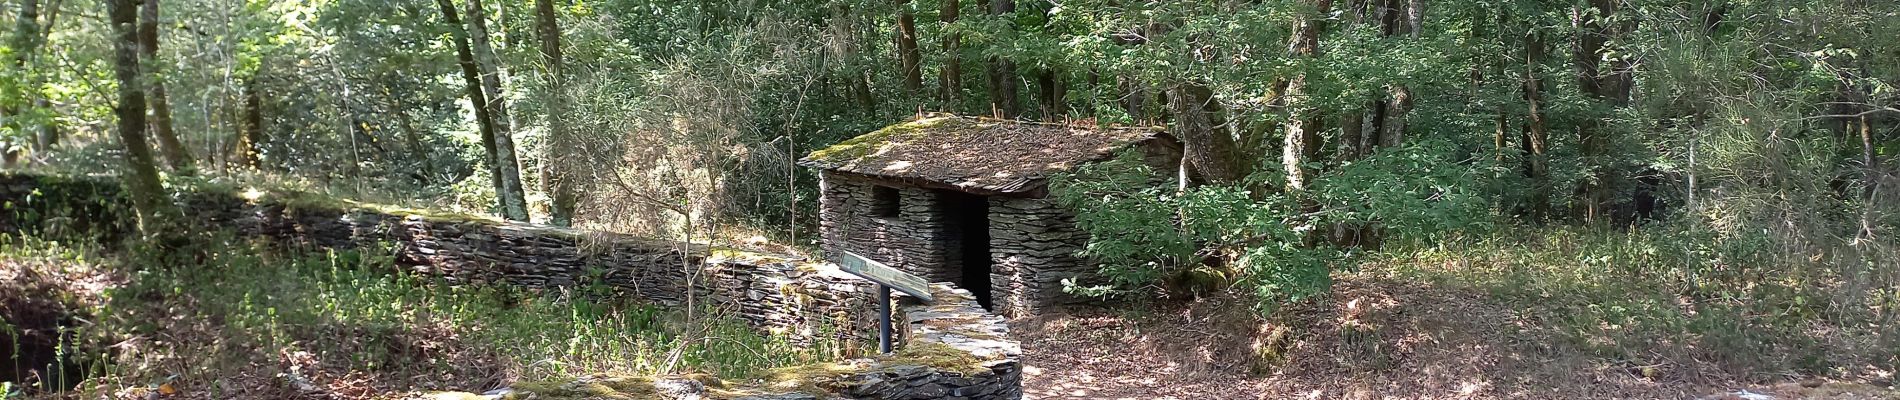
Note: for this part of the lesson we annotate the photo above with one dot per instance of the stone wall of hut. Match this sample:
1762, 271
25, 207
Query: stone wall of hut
918, 240
1032, 245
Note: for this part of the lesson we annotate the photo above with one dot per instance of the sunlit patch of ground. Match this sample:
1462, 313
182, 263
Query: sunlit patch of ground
1375, 337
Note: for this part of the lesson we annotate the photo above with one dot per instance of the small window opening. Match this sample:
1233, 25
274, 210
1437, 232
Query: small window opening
884, 201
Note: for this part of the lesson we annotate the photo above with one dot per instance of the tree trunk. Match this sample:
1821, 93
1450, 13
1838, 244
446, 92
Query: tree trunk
844, 31
513, 197
25, 42
1134, 97
1207, 145
909, 57
1398, 103
1301, 143
176, 156
251, 128
48, 134
141, 176
1536, 130
950, 84
1003, 96
1352, 135
1610, 88
413, 140
1050, 83
499, 167
559, 182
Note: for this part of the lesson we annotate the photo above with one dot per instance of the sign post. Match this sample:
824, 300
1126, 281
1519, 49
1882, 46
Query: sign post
887, 278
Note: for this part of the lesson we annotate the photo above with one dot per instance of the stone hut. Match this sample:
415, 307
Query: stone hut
963, 200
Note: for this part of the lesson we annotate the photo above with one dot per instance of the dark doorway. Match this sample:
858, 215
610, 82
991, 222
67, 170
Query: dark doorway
969, 223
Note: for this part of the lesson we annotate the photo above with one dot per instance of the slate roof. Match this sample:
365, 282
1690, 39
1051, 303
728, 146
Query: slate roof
976, 154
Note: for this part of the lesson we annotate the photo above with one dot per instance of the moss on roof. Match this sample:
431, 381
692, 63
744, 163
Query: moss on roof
978, 154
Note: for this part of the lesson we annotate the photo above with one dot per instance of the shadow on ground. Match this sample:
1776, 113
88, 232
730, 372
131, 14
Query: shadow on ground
1375, 337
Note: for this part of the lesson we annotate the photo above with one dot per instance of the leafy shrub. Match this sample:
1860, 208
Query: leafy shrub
1265, 242
1118, 204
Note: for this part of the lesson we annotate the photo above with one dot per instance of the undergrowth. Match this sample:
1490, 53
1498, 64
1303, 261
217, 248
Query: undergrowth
1681, 297
236, 318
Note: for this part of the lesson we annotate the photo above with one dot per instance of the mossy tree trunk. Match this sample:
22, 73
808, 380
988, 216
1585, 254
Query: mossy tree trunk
557, 178
251, 125
500, 168
25, 42
176, 156
1303, 125
141, 175
512, 195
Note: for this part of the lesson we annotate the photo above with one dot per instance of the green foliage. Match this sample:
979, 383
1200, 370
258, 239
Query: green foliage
1269, 243
1118, 203
1418, 192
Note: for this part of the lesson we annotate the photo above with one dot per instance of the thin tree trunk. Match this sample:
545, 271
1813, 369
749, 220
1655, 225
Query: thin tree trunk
1537, 130
844, 31
413, 140
1050, 83
1867, 149
141, 177
1611, 88
1134, 97
1872, 180
950, 83
484, 118
48, 134
251, 129
560, 184
25, 42
910, 58
176, 155
1003, 97
1301, 143
513, 197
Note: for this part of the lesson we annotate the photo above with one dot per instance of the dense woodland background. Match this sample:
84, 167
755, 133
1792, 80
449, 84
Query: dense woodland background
1742, 151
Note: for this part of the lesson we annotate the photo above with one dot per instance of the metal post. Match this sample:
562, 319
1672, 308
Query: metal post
884, 319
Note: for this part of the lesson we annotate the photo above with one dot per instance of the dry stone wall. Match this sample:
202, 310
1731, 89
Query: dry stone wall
779, 294
1033, 243
773, 293
916, 240
957, 322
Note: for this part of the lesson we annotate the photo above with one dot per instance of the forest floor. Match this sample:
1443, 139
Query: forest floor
1374, 337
